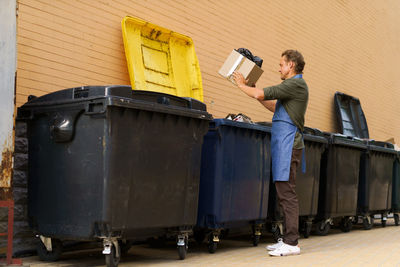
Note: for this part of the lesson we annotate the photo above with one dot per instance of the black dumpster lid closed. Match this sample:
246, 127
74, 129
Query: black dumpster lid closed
380, 146
122, 95
345, 140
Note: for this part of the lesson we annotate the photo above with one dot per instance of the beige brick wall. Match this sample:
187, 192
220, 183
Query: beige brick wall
349, 46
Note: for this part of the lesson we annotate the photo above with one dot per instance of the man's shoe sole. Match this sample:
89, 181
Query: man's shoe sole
285, 254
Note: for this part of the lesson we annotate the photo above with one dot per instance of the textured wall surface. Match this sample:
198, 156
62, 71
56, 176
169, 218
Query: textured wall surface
349, 46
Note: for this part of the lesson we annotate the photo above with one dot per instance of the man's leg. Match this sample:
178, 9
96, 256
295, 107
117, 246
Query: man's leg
287, 196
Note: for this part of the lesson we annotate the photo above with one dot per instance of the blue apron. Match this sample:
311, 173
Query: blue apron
282, 138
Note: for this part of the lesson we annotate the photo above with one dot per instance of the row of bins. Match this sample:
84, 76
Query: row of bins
108, 163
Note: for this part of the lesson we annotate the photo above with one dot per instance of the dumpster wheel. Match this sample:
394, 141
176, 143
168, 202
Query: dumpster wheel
256, 240
396, 219
256, 229
368, 222
383, 220
54, 254
307, 229
346, 224
111, 259
322, 228
182, 244
212, 243
182, 250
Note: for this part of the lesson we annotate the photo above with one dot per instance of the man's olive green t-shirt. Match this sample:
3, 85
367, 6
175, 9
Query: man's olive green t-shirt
293, 94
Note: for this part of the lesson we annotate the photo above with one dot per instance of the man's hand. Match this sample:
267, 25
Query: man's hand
239, 79
252, 91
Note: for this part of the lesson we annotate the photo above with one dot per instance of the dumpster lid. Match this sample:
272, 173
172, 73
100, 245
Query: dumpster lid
246, 125
82, 93
161, 60
265, 123
122, 95
351, 118
381, 146
345, 140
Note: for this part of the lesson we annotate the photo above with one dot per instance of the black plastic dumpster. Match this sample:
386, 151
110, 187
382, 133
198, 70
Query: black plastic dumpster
375, 185
338, 191
307, 186
396, 190
109, 163
234, 184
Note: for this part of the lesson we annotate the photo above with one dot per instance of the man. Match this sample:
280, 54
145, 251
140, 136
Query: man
288, 101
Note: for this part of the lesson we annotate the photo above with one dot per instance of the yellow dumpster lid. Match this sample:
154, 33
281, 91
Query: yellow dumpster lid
161, 60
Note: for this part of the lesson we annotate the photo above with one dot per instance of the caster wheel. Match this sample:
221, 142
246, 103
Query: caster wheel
368, 223
212, 247
307, 229
52, 255
182, 250
322, 228
396, 219
383, 220
111, 259
346, 225
256, 240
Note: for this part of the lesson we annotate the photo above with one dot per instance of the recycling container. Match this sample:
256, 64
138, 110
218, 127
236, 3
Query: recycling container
110, 163
234, 180
396, 190
338, 191
307, 185
375, 185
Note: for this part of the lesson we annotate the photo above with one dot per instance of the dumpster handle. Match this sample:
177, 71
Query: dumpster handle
62, 126
212, 127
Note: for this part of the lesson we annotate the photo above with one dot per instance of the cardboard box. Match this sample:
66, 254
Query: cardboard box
237, 62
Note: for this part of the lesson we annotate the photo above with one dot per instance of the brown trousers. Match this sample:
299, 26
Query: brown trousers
288, 202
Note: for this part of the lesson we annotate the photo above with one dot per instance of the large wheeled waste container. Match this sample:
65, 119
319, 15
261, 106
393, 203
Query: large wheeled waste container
337, 202
234, 183
108, 163
307, 186
396, 190
375, 185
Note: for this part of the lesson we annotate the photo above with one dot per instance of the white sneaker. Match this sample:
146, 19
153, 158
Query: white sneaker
285, 250
276, 245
